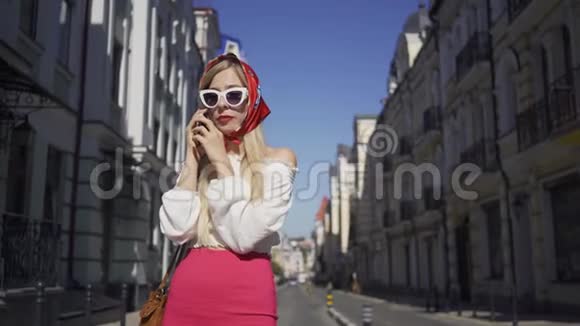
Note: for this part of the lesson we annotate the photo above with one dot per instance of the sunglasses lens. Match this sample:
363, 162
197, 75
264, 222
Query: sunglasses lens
234, 97
210, 99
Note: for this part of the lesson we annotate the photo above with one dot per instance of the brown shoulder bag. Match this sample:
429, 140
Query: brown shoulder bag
152, 311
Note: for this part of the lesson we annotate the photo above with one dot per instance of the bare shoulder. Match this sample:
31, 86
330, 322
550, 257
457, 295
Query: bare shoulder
283, 154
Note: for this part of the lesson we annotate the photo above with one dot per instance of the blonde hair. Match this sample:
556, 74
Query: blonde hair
254, 150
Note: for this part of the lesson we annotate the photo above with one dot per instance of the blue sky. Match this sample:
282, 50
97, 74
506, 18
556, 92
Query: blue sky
320, 62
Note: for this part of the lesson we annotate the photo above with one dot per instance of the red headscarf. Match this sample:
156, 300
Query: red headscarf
257, 108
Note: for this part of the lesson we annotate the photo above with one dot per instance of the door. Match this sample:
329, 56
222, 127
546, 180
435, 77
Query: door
463, 250
523, 239
107, 182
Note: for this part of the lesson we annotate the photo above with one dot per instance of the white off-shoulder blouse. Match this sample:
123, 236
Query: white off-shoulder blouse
239, 224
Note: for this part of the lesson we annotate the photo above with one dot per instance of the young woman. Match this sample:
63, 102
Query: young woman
230, 199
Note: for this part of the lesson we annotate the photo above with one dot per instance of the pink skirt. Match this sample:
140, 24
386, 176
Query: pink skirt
219, 287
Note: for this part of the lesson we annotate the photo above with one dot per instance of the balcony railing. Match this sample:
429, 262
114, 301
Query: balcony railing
476, 50
432, 119
480, 154
544, 117
407, 209
429, 200
30, 252
516, 7
562, 98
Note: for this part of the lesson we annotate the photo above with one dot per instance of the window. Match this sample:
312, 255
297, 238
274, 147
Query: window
166, 142
52, 185
115, 84
565, 208
159, 46
28, 17
155, 135
407, 265
175, 152
567, 53
19, 172
64, 31
153, 208
494, 234
545, 72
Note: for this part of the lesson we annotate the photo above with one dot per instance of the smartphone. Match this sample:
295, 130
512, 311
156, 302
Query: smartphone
206, 114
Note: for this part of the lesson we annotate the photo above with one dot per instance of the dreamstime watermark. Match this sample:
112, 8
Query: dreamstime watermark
279, 178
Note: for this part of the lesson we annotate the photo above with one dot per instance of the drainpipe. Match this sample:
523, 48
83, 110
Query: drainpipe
76, 158
503, 173
443, 207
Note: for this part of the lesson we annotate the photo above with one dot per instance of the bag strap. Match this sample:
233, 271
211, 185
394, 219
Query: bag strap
175, 259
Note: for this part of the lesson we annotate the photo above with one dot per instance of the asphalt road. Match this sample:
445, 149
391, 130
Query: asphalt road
296, 307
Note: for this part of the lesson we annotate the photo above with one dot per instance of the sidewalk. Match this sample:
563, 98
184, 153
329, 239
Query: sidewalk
416, 307
132, 320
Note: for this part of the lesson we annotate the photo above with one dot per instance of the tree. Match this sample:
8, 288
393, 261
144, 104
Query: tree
277, 269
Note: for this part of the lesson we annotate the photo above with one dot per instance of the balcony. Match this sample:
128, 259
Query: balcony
432, 119
407, 209
516, 7
562, 101
544, 118
30, 251
476, 50
480, 154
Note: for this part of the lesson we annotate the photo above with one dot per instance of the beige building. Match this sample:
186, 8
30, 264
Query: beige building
94, 98
495, 84
516, 237
407, 238
357, 207
337, 223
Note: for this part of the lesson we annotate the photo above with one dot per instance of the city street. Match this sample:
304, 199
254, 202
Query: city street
297, 308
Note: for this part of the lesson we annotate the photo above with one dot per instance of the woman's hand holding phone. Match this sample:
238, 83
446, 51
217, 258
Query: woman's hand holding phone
194, 149
193, 155
207, 136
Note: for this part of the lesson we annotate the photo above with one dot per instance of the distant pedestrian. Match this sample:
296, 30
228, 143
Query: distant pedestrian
232, 195
355, 285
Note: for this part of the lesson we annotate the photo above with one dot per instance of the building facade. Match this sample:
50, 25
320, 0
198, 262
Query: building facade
356, 201
95, 97
489, 87
514, 82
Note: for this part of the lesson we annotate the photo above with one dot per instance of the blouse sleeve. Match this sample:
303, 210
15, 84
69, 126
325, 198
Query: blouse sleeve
242, 223
179, 213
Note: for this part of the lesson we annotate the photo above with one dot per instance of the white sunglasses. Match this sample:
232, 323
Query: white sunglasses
232, 96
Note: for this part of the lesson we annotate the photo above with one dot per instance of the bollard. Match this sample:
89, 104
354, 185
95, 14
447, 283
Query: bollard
428, 301
436, 299
474, 302
123, 303
459, 306
40, 300
367, 315
492, 303
88, 304
329, 299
